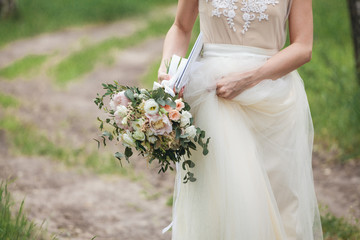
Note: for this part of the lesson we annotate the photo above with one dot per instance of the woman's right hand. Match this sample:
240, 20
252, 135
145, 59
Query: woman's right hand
163, 76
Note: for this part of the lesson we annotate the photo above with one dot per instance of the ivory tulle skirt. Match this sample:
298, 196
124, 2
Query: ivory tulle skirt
256, 182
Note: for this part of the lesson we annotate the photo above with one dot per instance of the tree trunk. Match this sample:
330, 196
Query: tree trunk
7, 8
354, 7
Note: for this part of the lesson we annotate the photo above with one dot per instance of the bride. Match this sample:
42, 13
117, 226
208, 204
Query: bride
256, 182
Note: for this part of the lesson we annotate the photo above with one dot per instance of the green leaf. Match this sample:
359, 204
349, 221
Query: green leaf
170, 103
177, 133
98, 142
192, 145
129, 94
119, 156
161, 101
104, 140
190, 163
108, 134
184, 136
128, 152
205, 151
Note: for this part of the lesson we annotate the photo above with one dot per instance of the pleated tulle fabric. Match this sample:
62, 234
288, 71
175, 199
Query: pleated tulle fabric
256, 183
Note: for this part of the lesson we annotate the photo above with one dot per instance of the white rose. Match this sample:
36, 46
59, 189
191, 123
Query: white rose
185, 118
142, 96
138, 124
143, 91
139, 135
136, 95
128, 141
191, 131
121, 111
151, 107
152, 139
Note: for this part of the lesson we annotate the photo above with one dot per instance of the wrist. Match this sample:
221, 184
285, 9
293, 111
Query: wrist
253, 77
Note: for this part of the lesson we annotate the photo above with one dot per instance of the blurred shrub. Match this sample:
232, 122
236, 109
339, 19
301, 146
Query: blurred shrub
7, 8
37, 16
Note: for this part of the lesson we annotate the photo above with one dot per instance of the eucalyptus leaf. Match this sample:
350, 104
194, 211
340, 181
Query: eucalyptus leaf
98, 142
129, 94
128, 152
170, 103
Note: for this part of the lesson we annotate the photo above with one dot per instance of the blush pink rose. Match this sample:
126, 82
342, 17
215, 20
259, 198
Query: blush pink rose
159, 125
174, 115
120, 99
179, 104
168, 108
118, 121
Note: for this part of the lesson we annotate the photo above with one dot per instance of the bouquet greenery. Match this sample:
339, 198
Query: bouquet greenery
157, 124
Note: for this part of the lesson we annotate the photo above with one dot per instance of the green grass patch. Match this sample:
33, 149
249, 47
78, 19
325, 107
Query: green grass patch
330, 80
151, 75
85, 60
26, 140
338, 228
24, 66
7, 101
16, 226
38, 16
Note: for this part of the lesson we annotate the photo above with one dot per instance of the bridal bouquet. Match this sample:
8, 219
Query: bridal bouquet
158, 125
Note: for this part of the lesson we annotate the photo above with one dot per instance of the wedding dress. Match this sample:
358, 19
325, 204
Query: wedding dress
256, 182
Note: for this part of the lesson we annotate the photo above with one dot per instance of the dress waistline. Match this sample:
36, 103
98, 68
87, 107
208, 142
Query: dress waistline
233, 50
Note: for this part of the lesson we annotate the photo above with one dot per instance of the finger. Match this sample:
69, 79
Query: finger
163, 76
181, 93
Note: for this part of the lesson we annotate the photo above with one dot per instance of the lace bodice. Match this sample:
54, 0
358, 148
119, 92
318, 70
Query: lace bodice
257, 23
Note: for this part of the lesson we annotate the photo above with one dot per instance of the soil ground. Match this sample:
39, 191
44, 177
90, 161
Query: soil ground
78, 204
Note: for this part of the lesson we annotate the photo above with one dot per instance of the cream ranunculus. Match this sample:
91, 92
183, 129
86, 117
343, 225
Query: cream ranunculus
139, 135
151, 107
149, 132
191, 130
128, 141
124, 121
138, 124
152, 139
121, 111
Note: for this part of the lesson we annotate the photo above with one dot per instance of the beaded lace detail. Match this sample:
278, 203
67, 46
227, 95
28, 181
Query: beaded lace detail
251, 9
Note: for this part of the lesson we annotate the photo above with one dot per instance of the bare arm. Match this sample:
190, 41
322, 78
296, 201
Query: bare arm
178, 37
290, 58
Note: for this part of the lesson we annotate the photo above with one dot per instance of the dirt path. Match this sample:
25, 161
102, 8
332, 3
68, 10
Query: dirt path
75, 203
78, 204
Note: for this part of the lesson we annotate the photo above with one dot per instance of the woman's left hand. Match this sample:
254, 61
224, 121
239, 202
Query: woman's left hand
233, 84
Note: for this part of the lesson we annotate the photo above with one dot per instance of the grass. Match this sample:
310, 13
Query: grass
28, 141
38, 16
330, 80
338, 228
25, 139
16, 226
151, 75
7, 101
24, 66
84, 60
